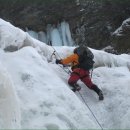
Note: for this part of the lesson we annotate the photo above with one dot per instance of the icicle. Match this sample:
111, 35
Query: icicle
55, 37
59, 35
42, 36
33, 34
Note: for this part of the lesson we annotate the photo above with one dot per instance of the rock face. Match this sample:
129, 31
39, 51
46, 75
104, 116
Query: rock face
121, 37
91, 22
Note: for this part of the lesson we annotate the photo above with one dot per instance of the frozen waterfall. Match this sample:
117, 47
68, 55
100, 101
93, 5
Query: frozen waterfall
59, 35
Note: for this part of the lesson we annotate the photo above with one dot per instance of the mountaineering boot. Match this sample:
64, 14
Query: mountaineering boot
75, 87
72, 88
101, 97
98, 91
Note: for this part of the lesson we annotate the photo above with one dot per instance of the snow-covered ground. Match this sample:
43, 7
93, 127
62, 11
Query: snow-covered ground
34, 93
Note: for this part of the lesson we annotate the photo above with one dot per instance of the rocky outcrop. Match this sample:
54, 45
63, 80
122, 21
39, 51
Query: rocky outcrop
121, 37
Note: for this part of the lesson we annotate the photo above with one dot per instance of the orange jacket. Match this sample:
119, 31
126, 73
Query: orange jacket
73, 59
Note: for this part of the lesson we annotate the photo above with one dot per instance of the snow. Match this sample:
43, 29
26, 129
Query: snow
9, 107
45, 104
115, 84
34, 93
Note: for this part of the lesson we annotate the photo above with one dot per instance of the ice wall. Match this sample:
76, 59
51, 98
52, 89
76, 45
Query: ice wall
56, 35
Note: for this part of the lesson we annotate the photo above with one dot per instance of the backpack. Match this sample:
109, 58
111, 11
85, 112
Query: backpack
85, 58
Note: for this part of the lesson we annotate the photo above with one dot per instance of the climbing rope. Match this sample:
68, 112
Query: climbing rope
69, 72
56, 52
90, 110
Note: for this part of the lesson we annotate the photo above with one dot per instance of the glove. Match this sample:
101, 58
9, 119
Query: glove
58, 61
